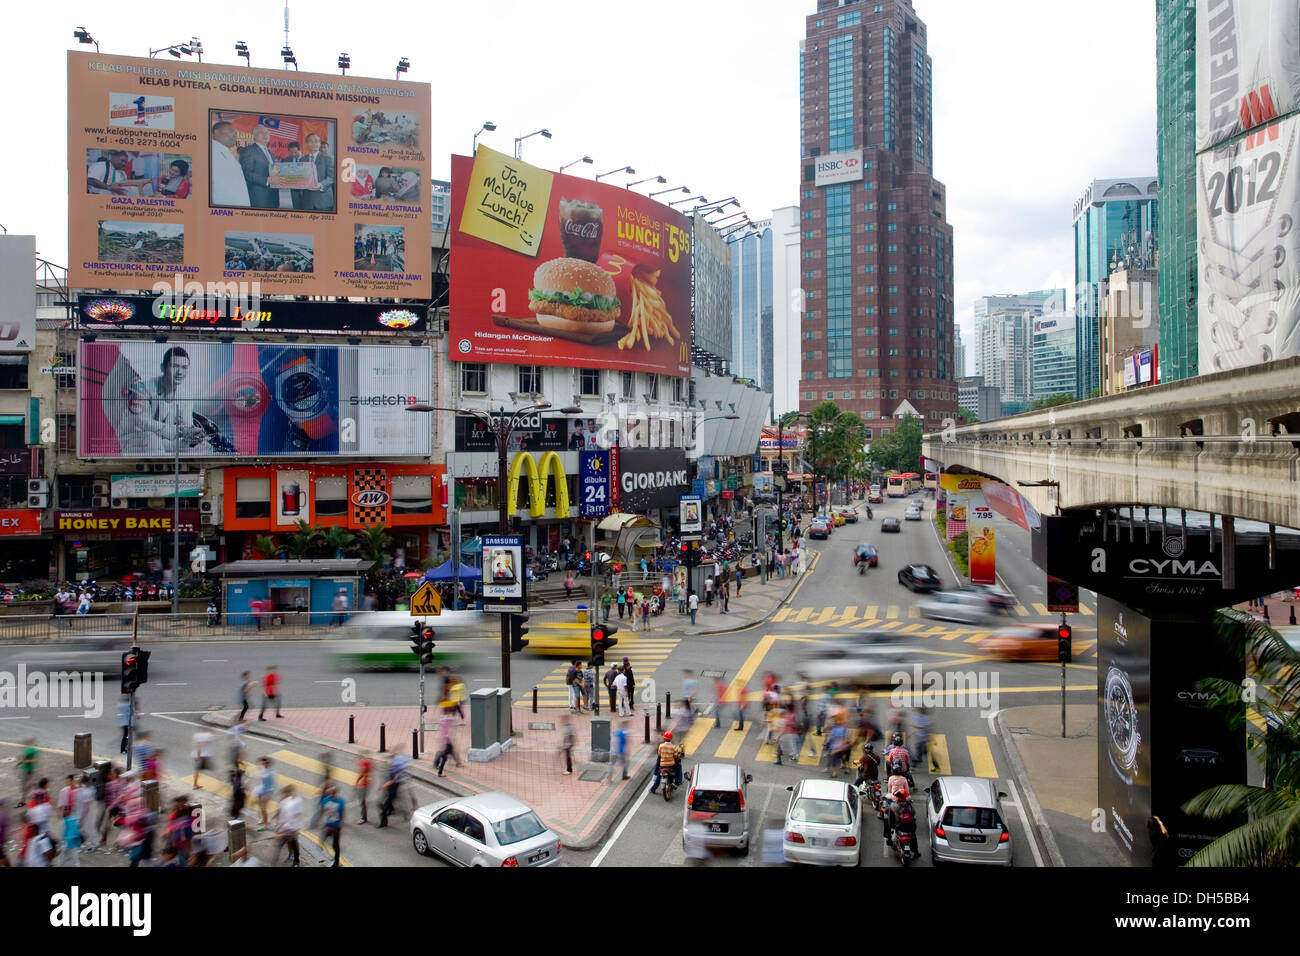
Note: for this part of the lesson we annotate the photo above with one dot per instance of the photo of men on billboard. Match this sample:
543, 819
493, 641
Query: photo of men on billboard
141, 242
283, 161
125, 172
270, 252
380, 248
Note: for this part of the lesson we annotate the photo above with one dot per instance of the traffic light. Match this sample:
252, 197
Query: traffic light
1063, 645
129, 672
141, 667
426, 646
417, 635
517, 632
601, 641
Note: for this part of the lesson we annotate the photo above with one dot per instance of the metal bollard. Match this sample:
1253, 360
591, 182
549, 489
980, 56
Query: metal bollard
668, 704
81, 757
352, 728
382, 738
415, 744
659, 722
647, 726
236, 838
740, 711
534, 700
1292, 614
149, 791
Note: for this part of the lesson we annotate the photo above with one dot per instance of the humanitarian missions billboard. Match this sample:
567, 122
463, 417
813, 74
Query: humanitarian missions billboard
557, 270
308, 184
215, 399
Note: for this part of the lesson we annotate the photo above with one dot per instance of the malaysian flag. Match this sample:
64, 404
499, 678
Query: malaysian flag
282, 128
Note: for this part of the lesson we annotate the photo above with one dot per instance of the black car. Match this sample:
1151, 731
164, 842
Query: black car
919, 577
890, 524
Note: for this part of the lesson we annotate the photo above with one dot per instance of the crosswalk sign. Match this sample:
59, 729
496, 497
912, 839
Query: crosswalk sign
426, 601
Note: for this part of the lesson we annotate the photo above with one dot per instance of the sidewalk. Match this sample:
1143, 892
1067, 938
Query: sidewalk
1281, 608
579, 807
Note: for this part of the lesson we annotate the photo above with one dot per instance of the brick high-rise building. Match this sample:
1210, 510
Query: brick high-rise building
878, 324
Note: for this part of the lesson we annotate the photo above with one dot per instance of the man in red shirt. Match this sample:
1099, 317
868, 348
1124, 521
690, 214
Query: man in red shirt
270, 692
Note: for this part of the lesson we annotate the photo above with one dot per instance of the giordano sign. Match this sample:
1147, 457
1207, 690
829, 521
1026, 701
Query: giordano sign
538, 473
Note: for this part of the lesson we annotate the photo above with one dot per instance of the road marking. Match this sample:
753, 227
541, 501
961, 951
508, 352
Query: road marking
891, 625
913, 611
981, 756
783, 614
977, 636
850, 614
171, 685
700, 728
214, 661
1040, 608
955, 633
869, 621
872, 611
826, 615
939, 754
911, 628
892, 612
315, 766
731, 742
1021, 611
618, 832
16, 718
803, 615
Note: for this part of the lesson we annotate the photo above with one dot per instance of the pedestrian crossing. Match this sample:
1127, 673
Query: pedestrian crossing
891, 617
645, 653
966, 755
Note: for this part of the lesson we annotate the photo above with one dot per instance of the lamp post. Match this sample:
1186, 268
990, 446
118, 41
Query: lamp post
675, 189
585, 159
656, 179
781, 421
618, 169
486, 127
501, 425
82, 35
519, 141
678, 202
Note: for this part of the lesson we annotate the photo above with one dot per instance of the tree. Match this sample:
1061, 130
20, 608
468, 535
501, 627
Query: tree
1269, 831
300, 544
832, 439
372, 544
900, 450
1061, 398
1095, 393
335, 540
264, 547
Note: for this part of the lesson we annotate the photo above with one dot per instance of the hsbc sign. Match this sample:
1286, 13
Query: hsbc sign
839, 168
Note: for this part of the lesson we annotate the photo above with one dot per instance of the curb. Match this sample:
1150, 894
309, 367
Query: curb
754, 622
1039, 828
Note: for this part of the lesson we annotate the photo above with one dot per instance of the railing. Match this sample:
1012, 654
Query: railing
287, 625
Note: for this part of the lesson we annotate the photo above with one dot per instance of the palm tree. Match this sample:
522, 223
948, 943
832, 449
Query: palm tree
372, 544
1270, 833
335, 540
834, 437
299, 544
264, 547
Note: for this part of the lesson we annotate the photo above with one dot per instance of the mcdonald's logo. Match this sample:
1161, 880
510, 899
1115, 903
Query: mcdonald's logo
537, 478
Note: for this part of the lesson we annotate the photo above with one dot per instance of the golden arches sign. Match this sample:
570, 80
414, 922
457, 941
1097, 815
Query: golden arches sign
537, 478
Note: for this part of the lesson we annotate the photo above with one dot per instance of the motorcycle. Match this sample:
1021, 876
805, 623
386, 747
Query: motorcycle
667, 782
903, 842
869, 790
862, 567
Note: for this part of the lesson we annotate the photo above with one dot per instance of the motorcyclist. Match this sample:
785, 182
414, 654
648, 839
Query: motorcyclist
869, 515
898, 754
670, 759
868, 765
902, 816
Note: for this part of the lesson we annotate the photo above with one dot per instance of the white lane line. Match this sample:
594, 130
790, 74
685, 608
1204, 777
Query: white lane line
207, 661
328, 682
627, 818
15, 718
1025, 822
171, 685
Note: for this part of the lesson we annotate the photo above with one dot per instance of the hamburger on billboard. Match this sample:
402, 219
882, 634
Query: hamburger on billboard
557, 270
302, 183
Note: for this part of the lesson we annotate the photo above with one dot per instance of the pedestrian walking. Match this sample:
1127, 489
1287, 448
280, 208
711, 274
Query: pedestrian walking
608, 680
631, 685
124, 720
693, 605
740, 576
202, 754
679, 595
361, 788
620, 688
689, 684
109, 810
265, 790
270, 692
606, 600
645, 614
589, 685
246, 688
719, 696
572, 681
397, 772
567, 740
708, 591
446, 746
725, 594
622, 602
332, 807
84, 808
456, 697
341, 606
237, 791
288, 821
620, 747
568, 585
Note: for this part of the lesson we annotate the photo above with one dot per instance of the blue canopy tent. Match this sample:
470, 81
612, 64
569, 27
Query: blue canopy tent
445, 572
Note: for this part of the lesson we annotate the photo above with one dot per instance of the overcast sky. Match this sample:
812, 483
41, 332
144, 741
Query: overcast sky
1032, 100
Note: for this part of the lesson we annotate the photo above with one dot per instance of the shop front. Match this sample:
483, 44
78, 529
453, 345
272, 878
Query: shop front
406, 500
24, 555
541, 495
297, 592
121, 544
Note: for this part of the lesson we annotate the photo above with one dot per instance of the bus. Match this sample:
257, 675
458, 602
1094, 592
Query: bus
932, 480
902, 484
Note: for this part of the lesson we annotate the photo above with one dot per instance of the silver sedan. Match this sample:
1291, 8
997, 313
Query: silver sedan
485, 829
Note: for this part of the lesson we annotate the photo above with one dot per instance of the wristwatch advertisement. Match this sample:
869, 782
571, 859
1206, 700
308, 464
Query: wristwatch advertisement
1124, 784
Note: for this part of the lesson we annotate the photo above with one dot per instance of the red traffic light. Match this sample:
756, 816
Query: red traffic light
1063, 632
588, 555
598, 635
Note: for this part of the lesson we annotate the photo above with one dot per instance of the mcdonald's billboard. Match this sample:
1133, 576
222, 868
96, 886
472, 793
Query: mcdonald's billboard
539, 472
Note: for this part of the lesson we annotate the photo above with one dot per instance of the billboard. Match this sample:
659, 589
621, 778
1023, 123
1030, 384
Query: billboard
557, 270
503, 573
593, 468
1247, 65
214, 399
835, 168
175, 308
304, 183
983, 546
156, 486
1247, 207
18, 304
652, 478
1124, 725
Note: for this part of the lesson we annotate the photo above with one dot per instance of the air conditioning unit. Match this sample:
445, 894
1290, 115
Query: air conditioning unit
157, 503
141, 467
207, 506
38, 501
101, 488
121, 503
160, 468
38, 486
206, 519
99, 501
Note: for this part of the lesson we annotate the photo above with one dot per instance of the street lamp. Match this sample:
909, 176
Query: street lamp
675, 189
403, 66
175, 49
519, 141
241, 49
585, 159
345, 63
287, 56
501, 426
657, 179
678, 202
82, 35
488, 127
620, 169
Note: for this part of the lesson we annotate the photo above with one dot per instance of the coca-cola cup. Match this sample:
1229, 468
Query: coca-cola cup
581, 226
292, 499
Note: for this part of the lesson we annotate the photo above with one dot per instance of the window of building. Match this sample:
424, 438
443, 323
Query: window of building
892, 207
412, 494
67, 360
893, 353
893, 310
13, 436
848, 394
869, 247
872, 373
892, 332
892, 247
869, 330
893, 290
809, 233
870, 352
13, 371
67, 426
677, 389
869, 393
530, 379
893, 270
830, 395
808, 396
13, 491
473, 377
893, 227
331, 496
808, 194
868, 432
654, 387
847, 19
808, 356
589, 382
893, 373
920, 394
253, 498
75, 491
868, 290
869, 268
893, 393
869, 184
869, 310
627, 385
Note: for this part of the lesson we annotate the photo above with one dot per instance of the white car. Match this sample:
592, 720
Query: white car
484, 829
913, 512
962, 606
823, 823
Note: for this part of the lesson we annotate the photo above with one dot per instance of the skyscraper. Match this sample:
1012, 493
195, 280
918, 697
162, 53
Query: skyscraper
958, 352
751, 303
877, 327
1003, 341
1113, 219
1176, 163
787, 309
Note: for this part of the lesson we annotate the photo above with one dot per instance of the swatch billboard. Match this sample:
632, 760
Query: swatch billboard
215, 399
557, 270
304, 183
